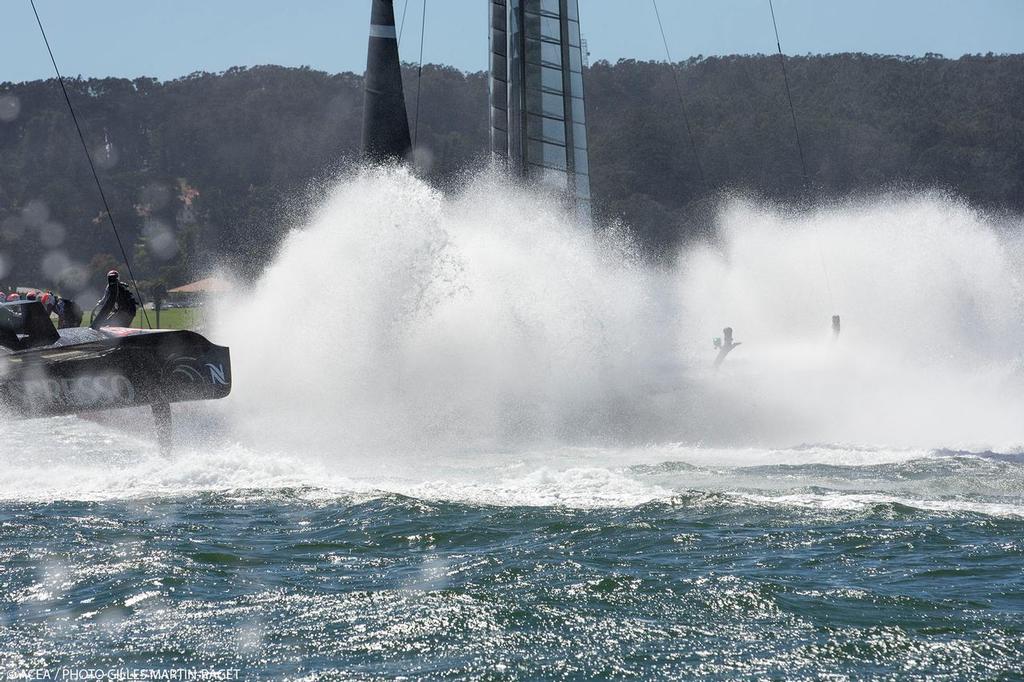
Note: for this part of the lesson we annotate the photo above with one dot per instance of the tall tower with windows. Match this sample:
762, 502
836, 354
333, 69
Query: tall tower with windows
538, 117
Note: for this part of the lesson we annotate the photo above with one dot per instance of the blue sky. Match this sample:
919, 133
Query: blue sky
170, 39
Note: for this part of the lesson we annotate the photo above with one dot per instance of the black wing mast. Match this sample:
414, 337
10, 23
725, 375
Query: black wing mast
385, 122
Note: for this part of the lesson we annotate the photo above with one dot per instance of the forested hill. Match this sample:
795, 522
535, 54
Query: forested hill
205, 166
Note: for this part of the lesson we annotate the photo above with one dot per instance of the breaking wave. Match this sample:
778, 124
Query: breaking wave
481, 346
406, 319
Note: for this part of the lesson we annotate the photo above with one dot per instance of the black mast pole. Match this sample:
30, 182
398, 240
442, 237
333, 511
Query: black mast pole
385, 122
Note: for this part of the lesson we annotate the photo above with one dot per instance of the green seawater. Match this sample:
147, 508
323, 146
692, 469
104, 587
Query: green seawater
904, 565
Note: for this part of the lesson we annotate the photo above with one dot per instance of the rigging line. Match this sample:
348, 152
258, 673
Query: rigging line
401, 26
679, 94
800, 149
419, 78
789, 95
92, 166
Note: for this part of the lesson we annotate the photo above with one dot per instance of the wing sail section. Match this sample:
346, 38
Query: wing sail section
538, 116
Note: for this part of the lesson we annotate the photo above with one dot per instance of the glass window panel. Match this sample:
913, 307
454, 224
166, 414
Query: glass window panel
548, 79
534, 151
551, 54
498, 42
543, 53
554, 156
547, 155
551, 28
498, 15
551, 6
576, 83
575, 59
532, 51
574, 33
554, 105
583, 185
499, 94
498, 67
547, 129
551, 177
533, 78
546, 103
535, 127
499, 118
579, 114
579, 135
554, 130
539, 26
581, 161
531, 24
573, 10
500, 138
546, 6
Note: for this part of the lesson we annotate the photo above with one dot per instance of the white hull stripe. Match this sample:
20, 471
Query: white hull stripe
378, 31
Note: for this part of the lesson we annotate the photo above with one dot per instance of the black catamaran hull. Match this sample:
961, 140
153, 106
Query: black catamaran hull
88, 370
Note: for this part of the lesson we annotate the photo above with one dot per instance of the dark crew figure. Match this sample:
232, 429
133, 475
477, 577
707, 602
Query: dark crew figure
117, 307
69, 314
724, 345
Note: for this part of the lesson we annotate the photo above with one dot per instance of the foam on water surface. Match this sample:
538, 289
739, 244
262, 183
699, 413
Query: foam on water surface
106, 466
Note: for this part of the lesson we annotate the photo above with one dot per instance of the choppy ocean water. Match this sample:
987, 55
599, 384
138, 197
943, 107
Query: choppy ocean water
662, 561
503, 454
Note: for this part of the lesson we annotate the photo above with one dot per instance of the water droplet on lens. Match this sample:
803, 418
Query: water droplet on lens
51, 234
35, 212
10, 107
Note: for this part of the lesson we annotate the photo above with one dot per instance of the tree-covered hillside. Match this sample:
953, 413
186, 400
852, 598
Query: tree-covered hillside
206, 167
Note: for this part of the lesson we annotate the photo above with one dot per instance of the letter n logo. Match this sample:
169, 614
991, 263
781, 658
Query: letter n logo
217, 374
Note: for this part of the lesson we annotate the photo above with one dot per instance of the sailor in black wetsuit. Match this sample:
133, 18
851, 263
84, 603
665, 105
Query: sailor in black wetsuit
725, 346
117, 307
68, 313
